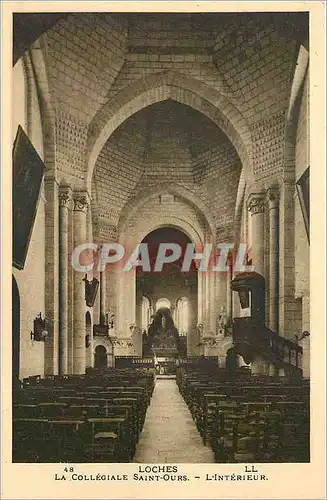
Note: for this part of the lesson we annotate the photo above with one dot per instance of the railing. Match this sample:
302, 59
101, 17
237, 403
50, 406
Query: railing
252, 338
133, 362
149, 361
198, 360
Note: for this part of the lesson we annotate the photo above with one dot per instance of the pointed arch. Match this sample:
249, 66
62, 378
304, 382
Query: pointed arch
175, 189
37, 58
160, 87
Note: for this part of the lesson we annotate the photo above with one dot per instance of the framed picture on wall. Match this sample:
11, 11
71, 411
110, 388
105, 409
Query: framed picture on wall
28, 170
303, 191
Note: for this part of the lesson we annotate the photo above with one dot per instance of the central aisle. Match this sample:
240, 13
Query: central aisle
169, 434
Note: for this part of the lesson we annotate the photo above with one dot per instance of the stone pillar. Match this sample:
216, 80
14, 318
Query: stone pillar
81, 202
102, 297
206, 303
273, 258
246, 224
256, 207
64, 205
139, 307
70, 292
229, 298
126, 304
200, 297
51, 299
212, 303
89, 362
198, 330
90, 315
220, 293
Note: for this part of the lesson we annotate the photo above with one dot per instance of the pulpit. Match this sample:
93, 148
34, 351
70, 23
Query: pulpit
251, 338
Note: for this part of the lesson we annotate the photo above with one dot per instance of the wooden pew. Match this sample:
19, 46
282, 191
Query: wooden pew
70, 406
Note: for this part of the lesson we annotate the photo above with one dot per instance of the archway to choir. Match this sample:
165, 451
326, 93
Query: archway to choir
167, 299
15, 330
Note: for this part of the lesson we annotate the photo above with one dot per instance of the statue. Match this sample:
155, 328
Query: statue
200, 329
222, 319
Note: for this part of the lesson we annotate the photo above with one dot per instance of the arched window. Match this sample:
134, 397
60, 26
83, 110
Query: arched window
163, 303
182, 316
146, 313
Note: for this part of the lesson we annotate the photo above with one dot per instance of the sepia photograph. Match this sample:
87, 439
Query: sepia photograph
160, 243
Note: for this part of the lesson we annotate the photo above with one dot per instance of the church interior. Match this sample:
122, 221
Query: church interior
151, 128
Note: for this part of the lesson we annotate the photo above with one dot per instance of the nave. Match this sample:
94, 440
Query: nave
130, 415
184, 137
169, 434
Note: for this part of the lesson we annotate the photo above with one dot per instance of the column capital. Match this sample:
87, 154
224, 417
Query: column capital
81, 201
273, 197
256, 203
65, 196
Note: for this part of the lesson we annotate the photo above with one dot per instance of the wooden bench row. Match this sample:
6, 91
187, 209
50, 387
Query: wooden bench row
79, 422
261, 420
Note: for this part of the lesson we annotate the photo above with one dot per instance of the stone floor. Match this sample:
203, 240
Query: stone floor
169, 434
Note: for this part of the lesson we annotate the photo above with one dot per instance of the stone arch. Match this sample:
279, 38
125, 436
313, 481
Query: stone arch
298, 77
160, 87
37, 59
291, 122
176, 223
126, 285
196, 228
184, 194
168, 221
20, 75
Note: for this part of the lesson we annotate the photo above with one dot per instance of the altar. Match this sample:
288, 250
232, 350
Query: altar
163, 339
164, 344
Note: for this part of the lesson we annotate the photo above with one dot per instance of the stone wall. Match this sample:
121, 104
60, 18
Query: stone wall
302, 162
30, 280
301, 244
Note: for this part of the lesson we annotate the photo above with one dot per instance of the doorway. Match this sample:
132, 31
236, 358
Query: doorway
100, 357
